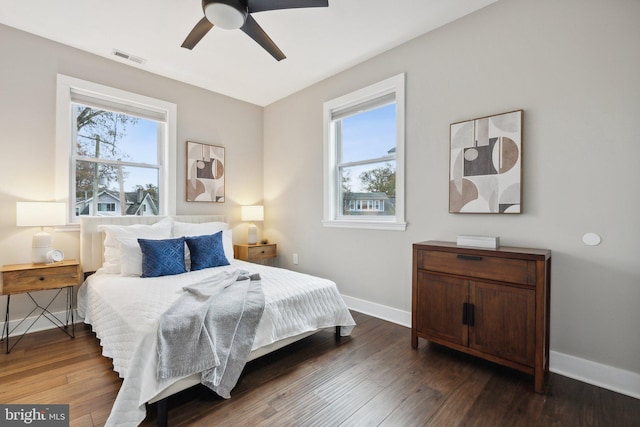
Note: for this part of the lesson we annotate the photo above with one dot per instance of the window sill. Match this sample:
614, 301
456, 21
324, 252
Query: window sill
366, 224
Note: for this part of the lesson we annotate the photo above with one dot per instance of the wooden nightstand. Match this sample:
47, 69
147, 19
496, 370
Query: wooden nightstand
27, 278
255, 253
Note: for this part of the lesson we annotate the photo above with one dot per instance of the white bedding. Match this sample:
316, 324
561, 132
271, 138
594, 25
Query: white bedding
124, 313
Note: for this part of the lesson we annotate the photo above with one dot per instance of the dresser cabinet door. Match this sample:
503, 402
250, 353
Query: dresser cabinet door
504, 321
439, 313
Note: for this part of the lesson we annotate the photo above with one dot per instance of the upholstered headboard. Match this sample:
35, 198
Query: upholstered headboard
91, 240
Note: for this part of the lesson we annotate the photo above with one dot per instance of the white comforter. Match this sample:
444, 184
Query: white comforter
124, 313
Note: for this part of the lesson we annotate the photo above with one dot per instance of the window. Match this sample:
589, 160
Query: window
366, 205
105, 207
112, 151
364, 158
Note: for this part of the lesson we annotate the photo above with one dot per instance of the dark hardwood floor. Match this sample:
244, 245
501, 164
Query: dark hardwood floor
372, 378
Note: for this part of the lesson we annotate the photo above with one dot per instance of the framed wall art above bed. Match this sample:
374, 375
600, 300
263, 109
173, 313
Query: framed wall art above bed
485, 165
205, 173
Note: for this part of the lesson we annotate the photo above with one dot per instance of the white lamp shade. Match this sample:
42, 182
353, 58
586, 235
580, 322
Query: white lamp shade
252, 213
40, 214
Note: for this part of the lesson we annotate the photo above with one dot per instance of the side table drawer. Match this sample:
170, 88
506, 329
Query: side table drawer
40, 279
483, 267
262, 252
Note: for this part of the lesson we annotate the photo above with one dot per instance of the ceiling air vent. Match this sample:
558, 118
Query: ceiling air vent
126, 56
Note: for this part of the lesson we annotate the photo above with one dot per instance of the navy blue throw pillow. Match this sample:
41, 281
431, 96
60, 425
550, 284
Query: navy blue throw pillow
162, 257
206, 251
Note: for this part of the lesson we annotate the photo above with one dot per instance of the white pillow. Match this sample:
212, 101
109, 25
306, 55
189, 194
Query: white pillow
131, 257
115, 233
227, 244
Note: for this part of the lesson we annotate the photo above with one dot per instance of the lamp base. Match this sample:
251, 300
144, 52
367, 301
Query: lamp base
41, 245
253, 234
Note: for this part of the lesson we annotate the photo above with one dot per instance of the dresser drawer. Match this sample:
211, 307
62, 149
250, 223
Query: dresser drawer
36, 279
475, 266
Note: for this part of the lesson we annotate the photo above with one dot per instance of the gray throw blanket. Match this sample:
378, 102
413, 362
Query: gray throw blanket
211, 329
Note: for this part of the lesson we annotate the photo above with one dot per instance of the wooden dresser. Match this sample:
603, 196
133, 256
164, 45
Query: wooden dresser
491, 303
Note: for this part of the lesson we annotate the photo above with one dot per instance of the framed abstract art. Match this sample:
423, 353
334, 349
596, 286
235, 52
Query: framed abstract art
485, 165
205, 173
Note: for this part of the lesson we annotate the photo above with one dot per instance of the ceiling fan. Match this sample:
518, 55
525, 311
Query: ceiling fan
234, 14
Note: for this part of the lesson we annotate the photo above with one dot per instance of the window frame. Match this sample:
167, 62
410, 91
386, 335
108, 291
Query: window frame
67, 88
331, 215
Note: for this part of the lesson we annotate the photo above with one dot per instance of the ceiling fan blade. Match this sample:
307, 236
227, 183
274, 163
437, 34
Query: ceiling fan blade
262, 5
253, 30
198, 32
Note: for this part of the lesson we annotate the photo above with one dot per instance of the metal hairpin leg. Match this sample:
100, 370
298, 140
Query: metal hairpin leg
44, 312
5, 327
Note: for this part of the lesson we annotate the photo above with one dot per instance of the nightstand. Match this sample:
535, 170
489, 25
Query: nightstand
255, 253
27, 278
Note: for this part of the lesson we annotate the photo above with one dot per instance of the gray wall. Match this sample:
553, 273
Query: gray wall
574, 68
27, 137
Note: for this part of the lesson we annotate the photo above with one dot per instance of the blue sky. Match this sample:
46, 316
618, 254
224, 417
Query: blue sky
141, 141
369, 134
141, 144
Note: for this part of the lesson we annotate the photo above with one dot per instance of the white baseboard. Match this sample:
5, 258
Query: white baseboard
608, 377
605, 376
380, 311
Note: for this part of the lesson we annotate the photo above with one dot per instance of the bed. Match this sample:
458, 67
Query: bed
124, 309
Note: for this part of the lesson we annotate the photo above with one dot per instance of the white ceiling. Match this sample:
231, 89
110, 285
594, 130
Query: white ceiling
318, 42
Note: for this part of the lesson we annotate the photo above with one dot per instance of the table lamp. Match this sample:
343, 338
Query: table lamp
252, 213
40, 214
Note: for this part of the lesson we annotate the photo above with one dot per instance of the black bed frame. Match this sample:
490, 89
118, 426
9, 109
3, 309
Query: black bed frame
162, 406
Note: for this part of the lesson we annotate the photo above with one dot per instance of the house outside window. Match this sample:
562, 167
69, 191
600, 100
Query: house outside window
362, 202
114, 147
364, 158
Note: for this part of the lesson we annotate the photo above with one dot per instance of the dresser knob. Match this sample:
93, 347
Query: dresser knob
41, 278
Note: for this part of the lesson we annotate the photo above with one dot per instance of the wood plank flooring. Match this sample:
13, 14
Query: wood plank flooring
372, 378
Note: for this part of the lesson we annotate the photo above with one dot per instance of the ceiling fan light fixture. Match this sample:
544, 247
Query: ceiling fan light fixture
226, 14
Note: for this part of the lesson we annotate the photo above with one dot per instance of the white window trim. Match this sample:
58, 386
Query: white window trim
64, 132
395, 85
